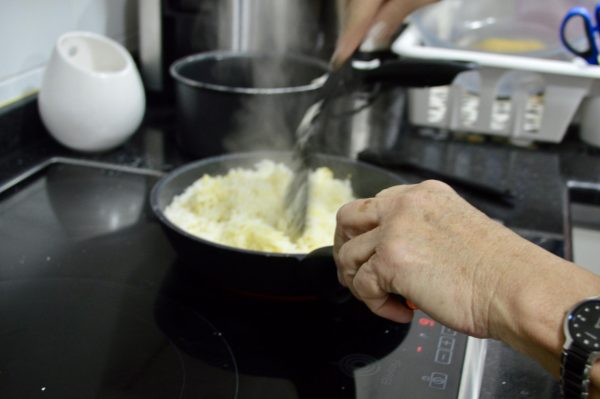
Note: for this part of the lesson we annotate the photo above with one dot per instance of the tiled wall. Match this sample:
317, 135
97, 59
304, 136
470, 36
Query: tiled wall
29, 29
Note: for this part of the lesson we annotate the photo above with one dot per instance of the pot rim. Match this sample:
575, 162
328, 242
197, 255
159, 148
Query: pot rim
315, 84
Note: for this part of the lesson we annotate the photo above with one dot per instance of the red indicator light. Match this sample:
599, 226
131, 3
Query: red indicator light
419, 349
425, 322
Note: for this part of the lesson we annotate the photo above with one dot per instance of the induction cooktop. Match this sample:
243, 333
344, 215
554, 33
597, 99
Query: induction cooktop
94, 303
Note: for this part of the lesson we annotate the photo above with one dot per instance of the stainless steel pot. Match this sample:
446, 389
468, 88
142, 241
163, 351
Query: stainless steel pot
171, 29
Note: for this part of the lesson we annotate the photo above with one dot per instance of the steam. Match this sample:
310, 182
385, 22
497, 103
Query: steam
308, 28
275, 25
263, 120
259, 124
268, 121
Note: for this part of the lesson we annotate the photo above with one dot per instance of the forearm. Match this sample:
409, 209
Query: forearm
532, 306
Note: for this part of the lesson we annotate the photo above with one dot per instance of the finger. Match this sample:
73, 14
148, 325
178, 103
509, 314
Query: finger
357, 217
353, 219
366, 287
360, 216
390, 308
358, 20
353, 254
387, 21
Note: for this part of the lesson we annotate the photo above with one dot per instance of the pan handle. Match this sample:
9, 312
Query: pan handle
386, 67
320, 267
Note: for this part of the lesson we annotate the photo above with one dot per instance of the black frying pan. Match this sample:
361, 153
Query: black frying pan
255, 272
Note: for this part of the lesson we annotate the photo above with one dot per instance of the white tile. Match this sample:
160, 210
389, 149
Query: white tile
29, 29
20, 86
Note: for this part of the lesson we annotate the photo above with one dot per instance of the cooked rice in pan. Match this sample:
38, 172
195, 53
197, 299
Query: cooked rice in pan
244, 208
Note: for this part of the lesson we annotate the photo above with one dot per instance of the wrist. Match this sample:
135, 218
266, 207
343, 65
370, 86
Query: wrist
581, 349
533, 306
521, 268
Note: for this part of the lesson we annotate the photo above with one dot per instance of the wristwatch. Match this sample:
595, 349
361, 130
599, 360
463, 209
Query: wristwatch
581, 348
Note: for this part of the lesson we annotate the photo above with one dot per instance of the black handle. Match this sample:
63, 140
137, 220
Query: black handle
386, 67
416, 73
320, 268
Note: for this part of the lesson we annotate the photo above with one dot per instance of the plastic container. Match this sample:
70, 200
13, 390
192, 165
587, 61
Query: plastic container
537, 104
518, 27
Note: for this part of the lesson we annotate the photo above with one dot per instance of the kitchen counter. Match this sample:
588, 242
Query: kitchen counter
536, 176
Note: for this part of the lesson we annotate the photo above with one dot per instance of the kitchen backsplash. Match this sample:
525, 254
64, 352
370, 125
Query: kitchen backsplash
30, 28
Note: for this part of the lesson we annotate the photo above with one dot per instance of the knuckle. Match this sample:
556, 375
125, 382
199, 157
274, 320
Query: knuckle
341, 214
342, 257
365, 281
426, 194
387, 249
435, 185
347, 277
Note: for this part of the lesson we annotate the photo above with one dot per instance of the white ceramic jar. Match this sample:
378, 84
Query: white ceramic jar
92, 97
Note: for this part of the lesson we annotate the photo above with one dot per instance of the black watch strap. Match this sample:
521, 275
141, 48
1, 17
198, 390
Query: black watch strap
574, 373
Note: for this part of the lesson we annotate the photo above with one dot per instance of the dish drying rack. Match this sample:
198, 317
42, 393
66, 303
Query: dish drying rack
527, 113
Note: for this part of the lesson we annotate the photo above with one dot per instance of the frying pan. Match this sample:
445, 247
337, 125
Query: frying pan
289, 276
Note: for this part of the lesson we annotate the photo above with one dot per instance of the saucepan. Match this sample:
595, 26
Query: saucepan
281, 275
236, 102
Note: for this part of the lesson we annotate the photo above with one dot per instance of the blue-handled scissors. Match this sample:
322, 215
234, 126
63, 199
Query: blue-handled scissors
590, 29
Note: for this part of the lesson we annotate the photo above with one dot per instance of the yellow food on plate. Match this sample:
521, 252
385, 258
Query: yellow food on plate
245, 208
502, 45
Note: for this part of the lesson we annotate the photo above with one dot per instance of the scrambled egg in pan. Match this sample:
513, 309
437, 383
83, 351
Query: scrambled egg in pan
245, 208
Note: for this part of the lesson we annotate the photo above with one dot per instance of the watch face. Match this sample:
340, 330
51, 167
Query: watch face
584, 325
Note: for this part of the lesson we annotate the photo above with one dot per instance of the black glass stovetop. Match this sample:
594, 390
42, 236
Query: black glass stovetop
94, 303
